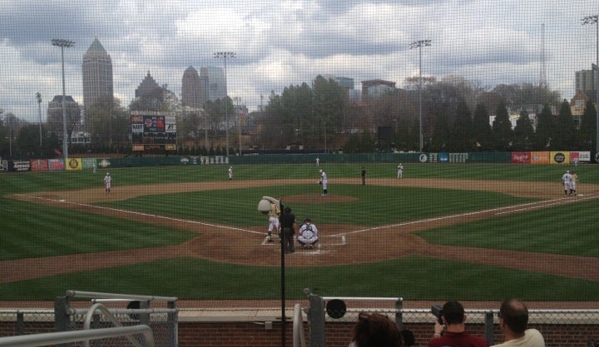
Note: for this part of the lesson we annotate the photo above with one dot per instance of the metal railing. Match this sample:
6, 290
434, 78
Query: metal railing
50, 339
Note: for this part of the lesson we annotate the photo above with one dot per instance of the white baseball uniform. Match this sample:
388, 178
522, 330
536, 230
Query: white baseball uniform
567, 179
323, 180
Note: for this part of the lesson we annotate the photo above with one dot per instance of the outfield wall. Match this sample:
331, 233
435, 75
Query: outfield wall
76, 164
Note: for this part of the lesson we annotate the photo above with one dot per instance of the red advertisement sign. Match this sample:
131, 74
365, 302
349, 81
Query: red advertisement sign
521, 157
39, 164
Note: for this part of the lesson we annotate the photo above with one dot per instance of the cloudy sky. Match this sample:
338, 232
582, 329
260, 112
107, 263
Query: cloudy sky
280, 42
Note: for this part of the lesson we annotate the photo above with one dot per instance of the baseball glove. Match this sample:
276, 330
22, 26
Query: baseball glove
320, 182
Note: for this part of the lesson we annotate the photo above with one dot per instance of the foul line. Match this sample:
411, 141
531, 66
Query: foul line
498, 211
143, 214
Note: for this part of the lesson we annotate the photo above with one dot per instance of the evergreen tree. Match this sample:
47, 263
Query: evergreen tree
482, 128
441, 133
544, 130
565, 135
523, 133
502, 129
588, 127
461, 137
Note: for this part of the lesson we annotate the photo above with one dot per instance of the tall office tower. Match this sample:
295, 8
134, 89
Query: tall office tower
212, 84
190, 88
97, 75
585, 82
147, 87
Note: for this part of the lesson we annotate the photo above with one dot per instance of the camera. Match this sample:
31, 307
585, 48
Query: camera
437, 311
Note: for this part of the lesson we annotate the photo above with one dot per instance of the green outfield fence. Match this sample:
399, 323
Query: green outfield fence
74, 164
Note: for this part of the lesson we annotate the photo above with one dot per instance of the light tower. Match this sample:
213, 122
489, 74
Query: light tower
543, 74
593, 20
225, 56
65, 138
419, 44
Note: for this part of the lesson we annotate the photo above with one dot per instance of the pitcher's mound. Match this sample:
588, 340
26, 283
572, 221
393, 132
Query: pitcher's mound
317, 198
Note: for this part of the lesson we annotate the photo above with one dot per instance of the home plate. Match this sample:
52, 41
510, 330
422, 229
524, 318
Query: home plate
62, 200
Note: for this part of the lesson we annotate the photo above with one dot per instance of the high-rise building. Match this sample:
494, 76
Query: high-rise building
212, 84
373, 89
147, 87
585, 82
97, 74
190, 88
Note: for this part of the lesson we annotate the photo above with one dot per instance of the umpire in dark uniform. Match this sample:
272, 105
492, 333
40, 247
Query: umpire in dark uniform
287, 220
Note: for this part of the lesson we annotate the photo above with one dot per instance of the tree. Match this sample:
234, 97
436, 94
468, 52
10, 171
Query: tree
461, 137
544, 130
73, 118
588, 127
107, 122
191, 123
502, 129
481, 127
441, 134
565, 132
523, 133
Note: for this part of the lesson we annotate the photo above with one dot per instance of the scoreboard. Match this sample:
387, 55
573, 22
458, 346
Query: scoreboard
152, 131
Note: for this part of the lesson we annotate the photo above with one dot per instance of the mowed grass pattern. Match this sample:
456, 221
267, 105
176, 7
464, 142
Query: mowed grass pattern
569, 229
34, 231
31, 230
373, 205
412, 278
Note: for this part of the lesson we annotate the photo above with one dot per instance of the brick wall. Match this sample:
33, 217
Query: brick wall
241, 334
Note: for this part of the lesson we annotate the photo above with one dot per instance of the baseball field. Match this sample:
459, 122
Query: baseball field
463, 231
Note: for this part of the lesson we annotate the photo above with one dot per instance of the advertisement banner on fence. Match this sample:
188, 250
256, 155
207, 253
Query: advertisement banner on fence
74, 164
539, 157
39, 164
561, 157
521, 157
56, 165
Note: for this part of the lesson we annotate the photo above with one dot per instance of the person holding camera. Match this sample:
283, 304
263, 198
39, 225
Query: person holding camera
513, 321
450, 329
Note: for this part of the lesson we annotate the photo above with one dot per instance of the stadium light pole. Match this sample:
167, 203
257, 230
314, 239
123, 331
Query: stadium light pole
65, 140
419, 44
225, 56
38, 97
238, 99
590, 20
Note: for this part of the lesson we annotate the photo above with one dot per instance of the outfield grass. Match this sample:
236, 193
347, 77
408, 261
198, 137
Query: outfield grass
33, 231
413, 278
11, 183
570, 229
30, 230
374, 205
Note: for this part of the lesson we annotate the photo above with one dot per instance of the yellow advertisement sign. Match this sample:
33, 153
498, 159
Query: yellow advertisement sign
561, 157
74, 164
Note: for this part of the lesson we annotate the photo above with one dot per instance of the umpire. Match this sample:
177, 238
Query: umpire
287, 220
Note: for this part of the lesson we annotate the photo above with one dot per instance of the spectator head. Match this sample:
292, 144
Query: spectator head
453, 312
514, 314
375, 330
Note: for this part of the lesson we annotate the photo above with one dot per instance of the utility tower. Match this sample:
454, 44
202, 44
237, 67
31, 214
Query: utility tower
543, 74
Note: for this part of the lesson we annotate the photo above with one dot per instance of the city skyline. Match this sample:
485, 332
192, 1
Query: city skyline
281, 44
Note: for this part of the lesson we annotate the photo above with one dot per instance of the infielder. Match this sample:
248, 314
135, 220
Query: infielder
574, 182
107, 182
399, 171
567, 181
323, 182
230, 173
273, 217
